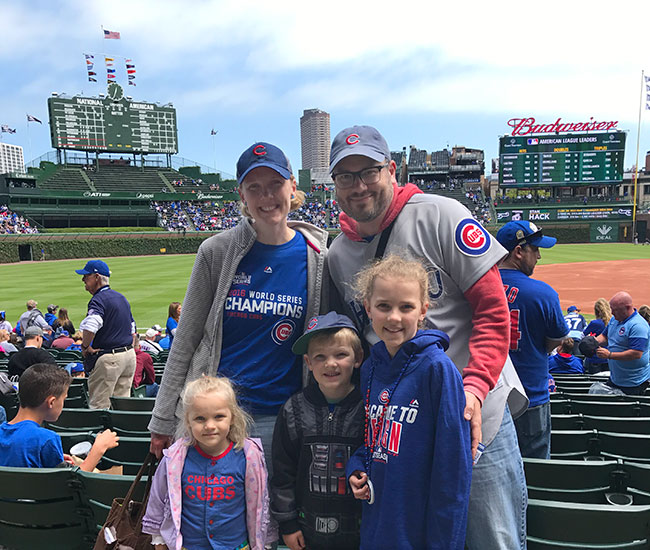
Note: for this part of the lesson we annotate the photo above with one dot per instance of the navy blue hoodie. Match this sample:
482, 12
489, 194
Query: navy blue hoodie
422, 465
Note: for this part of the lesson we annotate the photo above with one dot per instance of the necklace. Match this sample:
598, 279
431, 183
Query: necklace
370, 449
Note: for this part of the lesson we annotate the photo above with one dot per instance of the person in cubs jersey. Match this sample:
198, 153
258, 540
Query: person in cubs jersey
536, 327
467, 303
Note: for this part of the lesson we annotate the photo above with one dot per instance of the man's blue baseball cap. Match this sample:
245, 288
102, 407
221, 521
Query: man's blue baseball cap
522, 232
359, 140
263, 154
331, 320
571, 309
94, 266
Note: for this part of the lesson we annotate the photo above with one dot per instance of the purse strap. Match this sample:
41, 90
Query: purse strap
150, 463
383, 240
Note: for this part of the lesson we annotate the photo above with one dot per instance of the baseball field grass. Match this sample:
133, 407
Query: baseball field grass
151, 283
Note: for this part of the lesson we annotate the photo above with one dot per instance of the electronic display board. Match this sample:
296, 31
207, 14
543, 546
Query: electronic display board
112, 124
561, 159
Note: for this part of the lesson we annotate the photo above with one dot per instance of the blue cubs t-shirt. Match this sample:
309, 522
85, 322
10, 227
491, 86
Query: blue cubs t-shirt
27, 445
632, 333
263, 316
214, 502
535, 315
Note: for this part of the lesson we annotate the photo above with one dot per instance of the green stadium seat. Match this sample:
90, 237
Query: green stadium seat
130, 453
572, 444
579, 526
39, 508
129, 423
133, 403
560, 406
605, 408
10, 403
75, 420
632, 447
635, 425
567, 422
99, 490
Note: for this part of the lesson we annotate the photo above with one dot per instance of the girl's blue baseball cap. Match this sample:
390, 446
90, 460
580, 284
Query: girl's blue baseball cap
263, 154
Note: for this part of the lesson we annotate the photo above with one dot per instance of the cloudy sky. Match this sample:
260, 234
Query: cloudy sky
423, 72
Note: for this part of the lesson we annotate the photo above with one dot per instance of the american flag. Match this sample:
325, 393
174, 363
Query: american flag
113, 35
31, 118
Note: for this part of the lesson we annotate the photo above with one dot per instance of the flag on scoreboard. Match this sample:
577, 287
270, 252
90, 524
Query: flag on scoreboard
111, 35
130, 71
90, 65
31, 118
6, 130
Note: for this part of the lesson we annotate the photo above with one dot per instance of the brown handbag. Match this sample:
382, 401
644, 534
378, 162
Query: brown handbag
123, 527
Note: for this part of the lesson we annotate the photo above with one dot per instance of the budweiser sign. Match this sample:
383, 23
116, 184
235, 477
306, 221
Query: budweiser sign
527, 126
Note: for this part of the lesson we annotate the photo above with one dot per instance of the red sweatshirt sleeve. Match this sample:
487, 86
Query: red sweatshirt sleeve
490, 338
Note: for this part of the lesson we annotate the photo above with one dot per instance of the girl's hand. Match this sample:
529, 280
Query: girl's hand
359, 484
295, 541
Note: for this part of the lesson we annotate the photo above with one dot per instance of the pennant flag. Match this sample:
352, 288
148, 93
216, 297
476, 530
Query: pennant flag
111, 35
112, 71
6, 130
91, 79
647, 88
109, 61
213, 133
110, 76
130, 71
647, 78
31, 118
92, 73
131, 83
647, 107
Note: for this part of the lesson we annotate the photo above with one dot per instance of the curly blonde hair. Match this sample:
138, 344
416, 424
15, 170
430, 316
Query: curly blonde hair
391, 267
602, 310
241, 420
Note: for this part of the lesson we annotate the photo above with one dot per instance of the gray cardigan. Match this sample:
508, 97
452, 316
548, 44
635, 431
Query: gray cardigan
197, 344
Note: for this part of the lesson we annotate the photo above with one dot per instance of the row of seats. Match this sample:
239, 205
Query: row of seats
599, 445
596, 406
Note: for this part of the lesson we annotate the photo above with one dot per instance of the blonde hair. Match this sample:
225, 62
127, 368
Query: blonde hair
241, 420
297, 200
602, 310
346, 336
391, 267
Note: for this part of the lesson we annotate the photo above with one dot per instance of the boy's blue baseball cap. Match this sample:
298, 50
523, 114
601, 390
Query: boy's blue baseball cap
521, 232
94, 266
571, 309
74, 367
263, 154
331, 320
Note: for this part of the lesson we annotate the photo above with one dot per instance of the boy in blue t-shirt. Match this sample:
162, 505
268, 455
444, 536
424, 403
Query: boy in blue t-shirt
24, 443
564, 362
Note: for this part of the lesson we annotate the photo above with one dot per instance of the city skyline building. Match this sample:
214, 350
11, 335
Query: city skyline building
315, 139
11, 158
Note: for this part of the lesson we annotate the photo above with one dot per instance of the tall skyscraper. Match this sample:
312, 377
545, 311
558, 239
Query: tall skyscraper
315, 139
11, 158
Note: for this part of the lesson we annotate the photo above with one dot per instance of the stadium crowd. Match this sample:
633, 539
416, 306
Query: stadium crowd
12, 223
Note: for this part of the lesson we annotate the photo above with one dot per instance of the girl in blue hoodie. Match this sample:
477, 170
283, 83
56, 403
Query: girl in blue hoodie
414, 470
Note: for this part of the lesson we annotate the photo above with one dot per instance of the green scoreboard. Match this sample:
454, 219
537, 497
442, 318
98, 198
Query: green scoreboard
112, 124
561, 159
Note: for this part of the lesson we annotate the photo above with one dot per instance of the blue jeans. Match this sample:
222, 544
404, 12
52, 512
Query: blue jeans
263, 428
534, 432
498, 498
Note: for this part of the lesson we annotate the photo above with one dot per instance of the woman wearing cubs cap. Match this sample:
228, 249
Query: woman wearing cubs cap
252, 291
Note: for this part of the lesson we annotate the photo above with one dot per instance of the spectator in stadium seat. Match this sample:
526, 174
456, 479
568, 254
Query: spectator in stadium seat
5, 343
537, 327
63, 321
32, 317
62, 339
144, 372
564, 362
174, 316
149, 344
575, 322
627, 336
30, 354
108, 338
252, 292
77, 339
603, 313
4, 324
50, 316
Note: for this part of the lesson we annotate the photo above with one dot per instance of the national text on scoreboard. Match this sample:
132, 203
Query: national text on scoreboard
572, 159
112, 126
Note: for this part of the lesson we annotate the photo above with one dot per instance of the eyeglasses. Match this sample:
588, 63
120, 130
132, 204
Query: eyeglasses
369, 176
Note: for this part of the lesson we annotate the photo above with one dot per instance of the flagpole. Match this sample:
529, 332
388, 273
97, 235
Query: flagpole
29, 138
636, 163
214, 149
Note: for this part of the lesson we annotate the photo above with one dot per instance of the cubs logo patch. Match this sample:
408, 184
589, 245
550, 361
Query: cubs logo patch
471, 239
312, 323
352, 139
259, 150
282, 331
621, 331
383, 396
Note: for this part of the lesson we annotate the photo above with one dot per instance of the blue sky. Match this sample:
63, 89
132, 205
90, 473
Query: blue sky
424, 73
